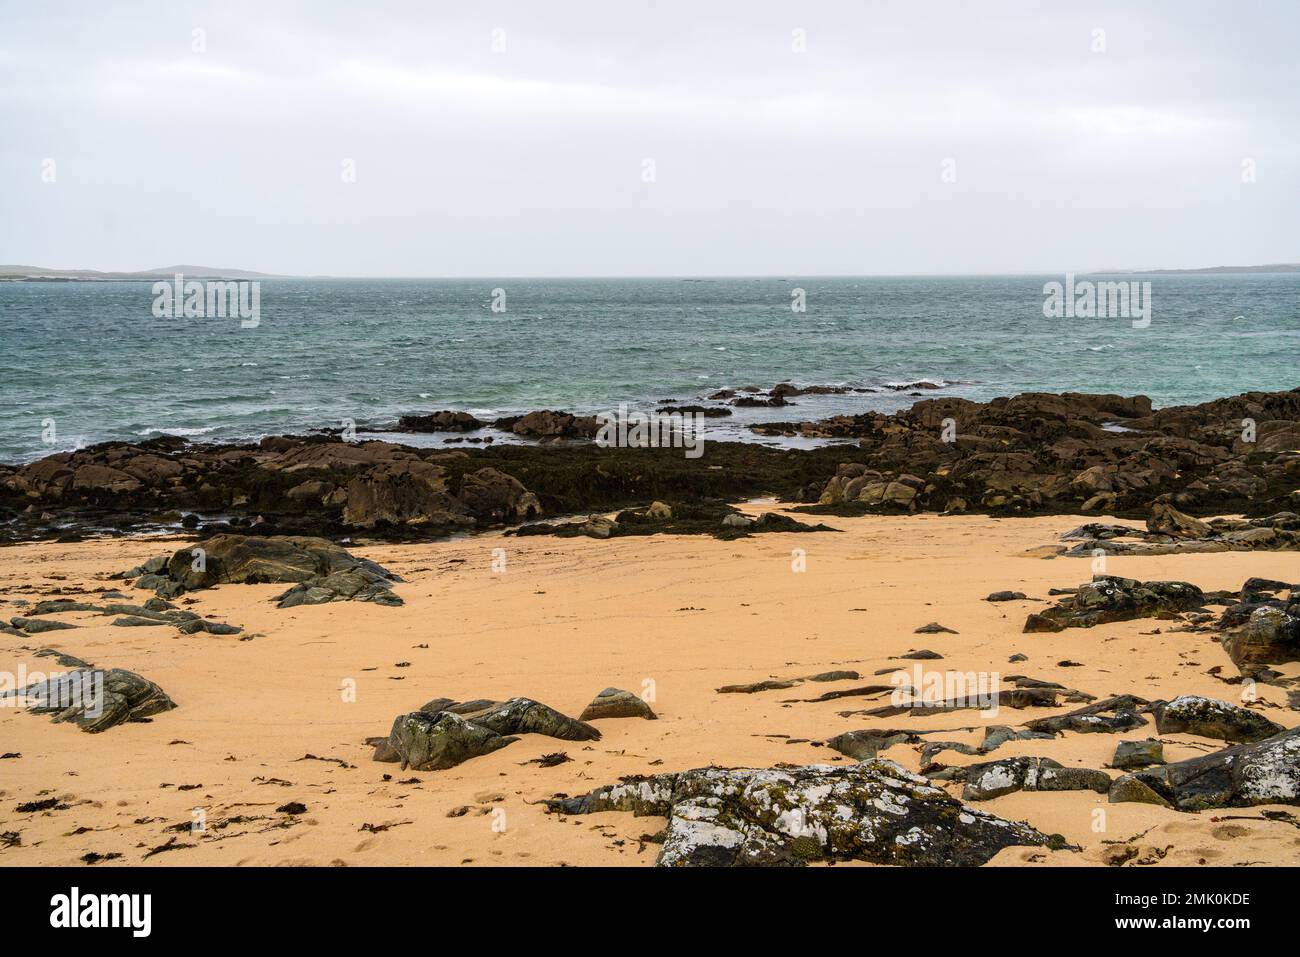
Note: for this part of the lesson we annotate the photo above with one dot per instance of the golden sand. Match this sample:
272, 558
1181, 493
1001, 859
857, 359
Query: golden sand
681, 615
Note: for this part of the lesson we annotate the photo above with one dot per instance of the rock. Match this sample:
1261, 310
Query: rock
933, 628
783, 683
658, 512
196, 625
1211, 718
526, 716
435, 742
34, 626
615, 703
319, 570
1167, 520
1243, 775
1271, 635
865, 745
443, 421
1138, 754
992, 779
130, 621
93, 698
922, 654
546, 424
444, 732
736, 520
58, 605
492, 497
874, 811
1109, 716
1006, 596
1109, 598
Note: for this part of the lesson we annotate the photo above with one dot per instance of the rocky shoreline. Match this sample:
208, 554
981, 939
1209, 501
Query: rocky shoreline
1032, 454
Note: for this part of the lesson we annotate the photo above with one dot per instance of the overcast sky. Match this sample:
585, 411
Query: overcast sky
228, 147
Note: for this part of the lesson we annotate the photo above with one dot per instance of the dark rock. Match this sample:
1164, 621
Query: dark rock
1211, 718
1006, 596
92, 698
435, 742
443, 421
1109, 598
35, 626
1243, 775
319, 570
934, 628
1138, 754
1109, 716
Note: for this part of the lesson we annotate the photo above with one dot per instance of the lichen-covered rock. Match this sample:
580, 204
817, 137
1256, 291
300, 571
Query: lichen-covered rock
991, 779
434, 742
875, 811
1211, 718
1243, 775
1108, 598
616, 703
94, 699
1271, 635
444, 732
1138, 754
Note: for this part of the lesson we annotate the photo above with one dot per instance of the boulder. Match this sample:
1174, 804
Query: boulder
1167, 520
434, 742
1211, 718
1138, 754
874, 811
992, 779
616, 703
1243, 775
1109, 598
94, 699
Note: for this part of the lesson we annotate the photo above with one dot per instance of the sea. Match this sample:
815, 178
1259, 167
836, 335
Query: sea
89, 361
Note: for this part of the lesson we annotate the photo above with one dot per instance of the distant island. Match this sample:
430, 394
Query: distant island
1207, 270
41, 274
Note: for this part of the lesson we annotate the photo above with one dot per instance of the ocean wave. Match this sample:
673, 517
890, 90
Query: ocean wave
178, 430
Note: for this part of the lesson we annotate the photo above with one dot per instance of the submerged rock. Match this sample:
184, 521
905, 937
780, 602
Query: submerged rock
1262, 772
875, 811
1211, 718
616, 703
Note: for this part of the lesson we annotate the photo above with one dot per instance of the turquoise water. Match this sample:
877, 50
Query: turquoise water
92, 357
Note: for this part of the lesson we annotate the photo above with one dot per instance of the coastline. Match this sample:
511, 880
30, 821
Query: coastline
554, 570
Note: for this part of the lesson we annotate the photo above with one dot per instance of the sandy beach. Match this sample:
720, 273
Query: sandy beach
669, 617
